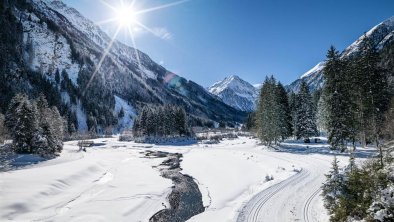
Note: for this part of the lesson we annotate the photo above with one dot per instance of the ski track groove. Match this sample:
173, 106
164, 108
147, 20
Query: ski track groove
253, 208
268, 194
308, 204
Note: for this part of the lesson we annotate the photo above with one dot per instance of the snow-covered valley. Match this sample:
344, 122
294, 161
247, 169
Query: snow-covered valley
113, 181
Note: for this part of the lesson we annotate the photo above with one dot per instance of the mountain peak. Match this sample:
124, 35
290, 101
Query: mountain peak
236, 93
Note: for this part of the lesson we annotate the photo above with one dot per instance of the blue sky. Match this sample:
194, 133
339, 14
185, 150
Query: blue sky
207, 40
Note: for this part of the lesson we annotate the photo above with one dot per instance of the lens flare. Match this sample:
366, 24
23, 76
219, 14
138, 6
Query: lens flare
126, 16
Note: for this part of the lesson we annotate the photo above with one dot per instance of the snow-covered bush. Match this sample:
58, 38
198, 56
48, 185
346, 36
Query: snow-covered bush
361, 193
383, 208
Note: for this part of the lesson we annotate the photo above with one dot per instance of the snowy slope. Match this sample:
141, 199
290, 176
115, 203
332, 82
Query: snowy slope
236, 92
381, 34
126, 122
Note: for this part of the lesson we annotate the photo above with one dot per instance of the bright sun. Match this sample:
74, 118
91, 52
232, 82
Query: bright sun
126, 16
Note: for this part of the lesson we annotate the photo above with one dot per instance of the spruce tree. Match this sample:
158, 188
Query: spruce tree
322, 114
340, 126
268, 113
3, 129
332, 187
305, 114
293, 110
22, 120
49, 139
374, 89
285, 119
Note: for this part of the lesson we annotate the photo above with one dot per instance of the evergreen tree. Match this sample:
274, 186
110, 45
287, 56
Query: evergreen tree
332, 187
293, 110
340, 125
285, 119
162, 121
389, 117
305, 114
268, 113
250, 124
121, 113
3, 129
22, 120
373, 90
322, 114
57, 76
49, 139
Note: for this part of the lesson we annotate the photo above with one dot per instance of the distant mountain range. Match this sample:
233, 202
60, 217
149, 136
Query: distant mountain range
243, 96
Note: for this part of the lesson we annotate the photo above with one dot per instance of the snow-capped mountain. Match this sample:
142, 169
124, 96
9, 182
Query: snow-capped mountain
381, 35
54, 38
236, 93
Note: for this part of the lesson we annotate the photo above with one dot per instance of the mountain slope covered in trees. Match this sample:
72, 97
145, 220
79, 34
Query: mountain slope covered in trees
52, 49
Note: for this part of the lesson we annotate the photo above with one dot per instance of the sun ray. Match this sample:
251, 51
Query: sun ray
161, 7
106, 21
126, 18
137, 55
108, 5
106, 52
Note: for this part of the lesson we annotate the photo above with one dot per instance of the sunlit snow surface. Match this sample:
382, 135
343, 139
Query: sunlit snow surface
126, 122
113, 182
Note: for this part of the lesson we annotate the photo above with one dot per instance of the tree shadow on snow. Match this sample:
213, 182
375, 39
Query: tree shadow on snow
299, 147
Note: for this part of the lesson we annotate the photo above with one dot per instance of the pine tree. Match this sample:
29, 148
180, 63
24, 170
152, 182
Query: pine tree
121, 113
373, 88
57, 76
250, 124
322, 113
305, 114
332, 187
285, 119
10, 118
58, 125
22, 120
49, 139
340, 125
268, 113
181, 121
389, 117
3, 129
293, 110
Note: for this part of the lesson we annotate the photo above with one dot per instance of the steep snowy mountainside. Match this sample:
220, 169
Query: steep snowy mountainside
57, 40
236, 92
381, 35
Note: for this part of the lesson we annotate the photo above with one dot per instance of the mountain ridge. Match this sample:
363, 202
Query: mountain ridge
381, 35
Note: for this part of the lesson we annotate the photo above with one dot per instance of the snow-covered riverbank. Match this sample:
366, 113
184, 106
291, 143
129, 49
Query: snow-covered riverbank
113, 182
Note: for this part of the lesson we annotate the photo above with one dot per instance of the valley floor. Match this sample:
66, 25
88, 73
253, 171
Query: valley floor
113, 181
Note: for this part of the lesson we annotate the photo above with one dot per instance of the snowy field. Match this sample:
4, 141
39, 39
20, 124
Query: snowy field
113, 181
